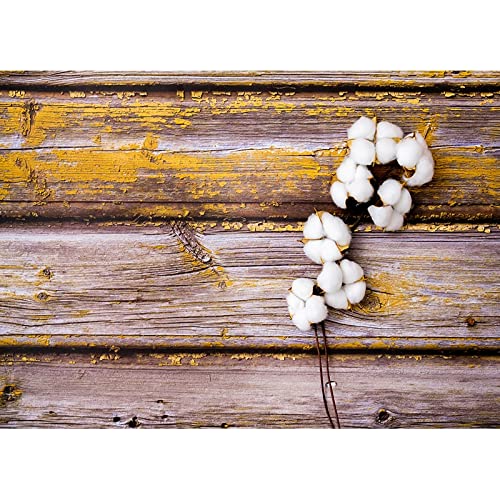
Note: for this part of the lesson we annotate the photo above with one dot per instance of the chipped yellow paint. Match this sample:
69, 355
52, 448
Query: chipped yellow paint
17, 93
76, 94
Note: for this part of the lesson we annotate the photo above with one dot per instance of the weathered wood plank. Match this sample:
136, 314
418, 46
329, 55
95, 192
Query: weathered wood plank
153, 389
359, 79
229, 153
144, 285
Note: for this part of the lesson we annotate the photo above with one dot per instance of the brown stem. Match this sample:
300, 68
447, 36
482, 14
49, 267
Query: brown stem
325, 402
329, 382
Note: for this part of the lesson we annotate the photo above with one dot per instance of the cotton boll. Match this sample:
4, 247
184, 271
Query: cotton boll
313, 229
362, 173
338, 192
355, 292
390, 191
385, 150
404, 203
346, 170
362, 151
313, 250
336, 229
396, 222
300, 320
294, 303
303, 288
381, 216
362, 128
361, 190
388, 130
329, 251
337, 300
408, 152
330, 277
424, 171
315, 309
351, 271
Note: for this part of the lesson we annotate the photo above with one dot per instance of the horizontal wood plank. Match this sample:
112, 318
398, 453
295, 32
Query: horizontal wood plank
360, 79
212, 153
115, 389
71, 284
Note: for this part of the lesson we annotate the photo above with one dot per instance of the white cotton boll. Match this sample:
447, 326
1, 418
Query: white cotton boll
330, 277
362, 151
329, 251
381, 216
300, 320
390, 191
424, 171
337, 300
403, 205
338, 192
313, 229
396, 222
315, 309
363, 172
294, 303
346, 170
385, 150
363, 128
303, 288
351, 271
313, 250
361, 190
388, 130
355, 292
336, 229
408, 152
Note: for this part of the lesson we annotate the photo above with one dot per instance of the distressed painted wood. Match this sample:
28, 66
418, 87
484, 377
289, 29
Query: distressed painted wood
72, 284
165, 390
168, 152
150, 226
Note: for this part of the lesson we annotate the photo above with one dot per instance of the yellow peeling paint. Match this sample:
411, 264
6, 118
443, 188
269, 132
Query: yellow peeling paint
17, 93
76, 94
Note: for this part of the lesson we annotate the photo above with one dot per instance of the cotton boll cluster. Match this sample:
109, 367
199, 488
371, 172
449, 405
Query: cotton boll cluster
343, 283
304, 306
396, 201
370, 144
325, 237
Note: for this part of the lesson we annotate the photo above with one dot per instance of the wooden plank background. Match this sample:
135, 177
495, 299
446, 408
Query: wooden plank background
150, 226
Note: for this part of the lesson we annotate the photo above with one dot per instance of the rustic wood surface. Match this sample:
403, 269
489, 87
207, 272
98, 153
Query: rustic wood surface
150, 226
72, 284
155, 389
235, 153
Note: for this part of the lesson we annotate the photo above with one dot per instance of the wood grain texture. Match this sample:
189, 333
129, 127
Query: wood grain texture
149, 231
360, 79
230, 153
115, 389
72, 284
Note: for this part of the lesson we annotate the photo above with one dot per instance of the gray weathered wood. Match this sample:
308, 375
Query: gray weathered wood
115, 389
143, 285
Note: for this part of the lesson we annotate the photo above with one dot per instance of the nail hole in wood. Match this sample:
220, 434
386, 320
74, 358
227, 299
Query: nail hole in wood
42, 297
224, 425
10, 393
133, 423
116, 419
470, 321
47, 273
164, 417
383, 416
